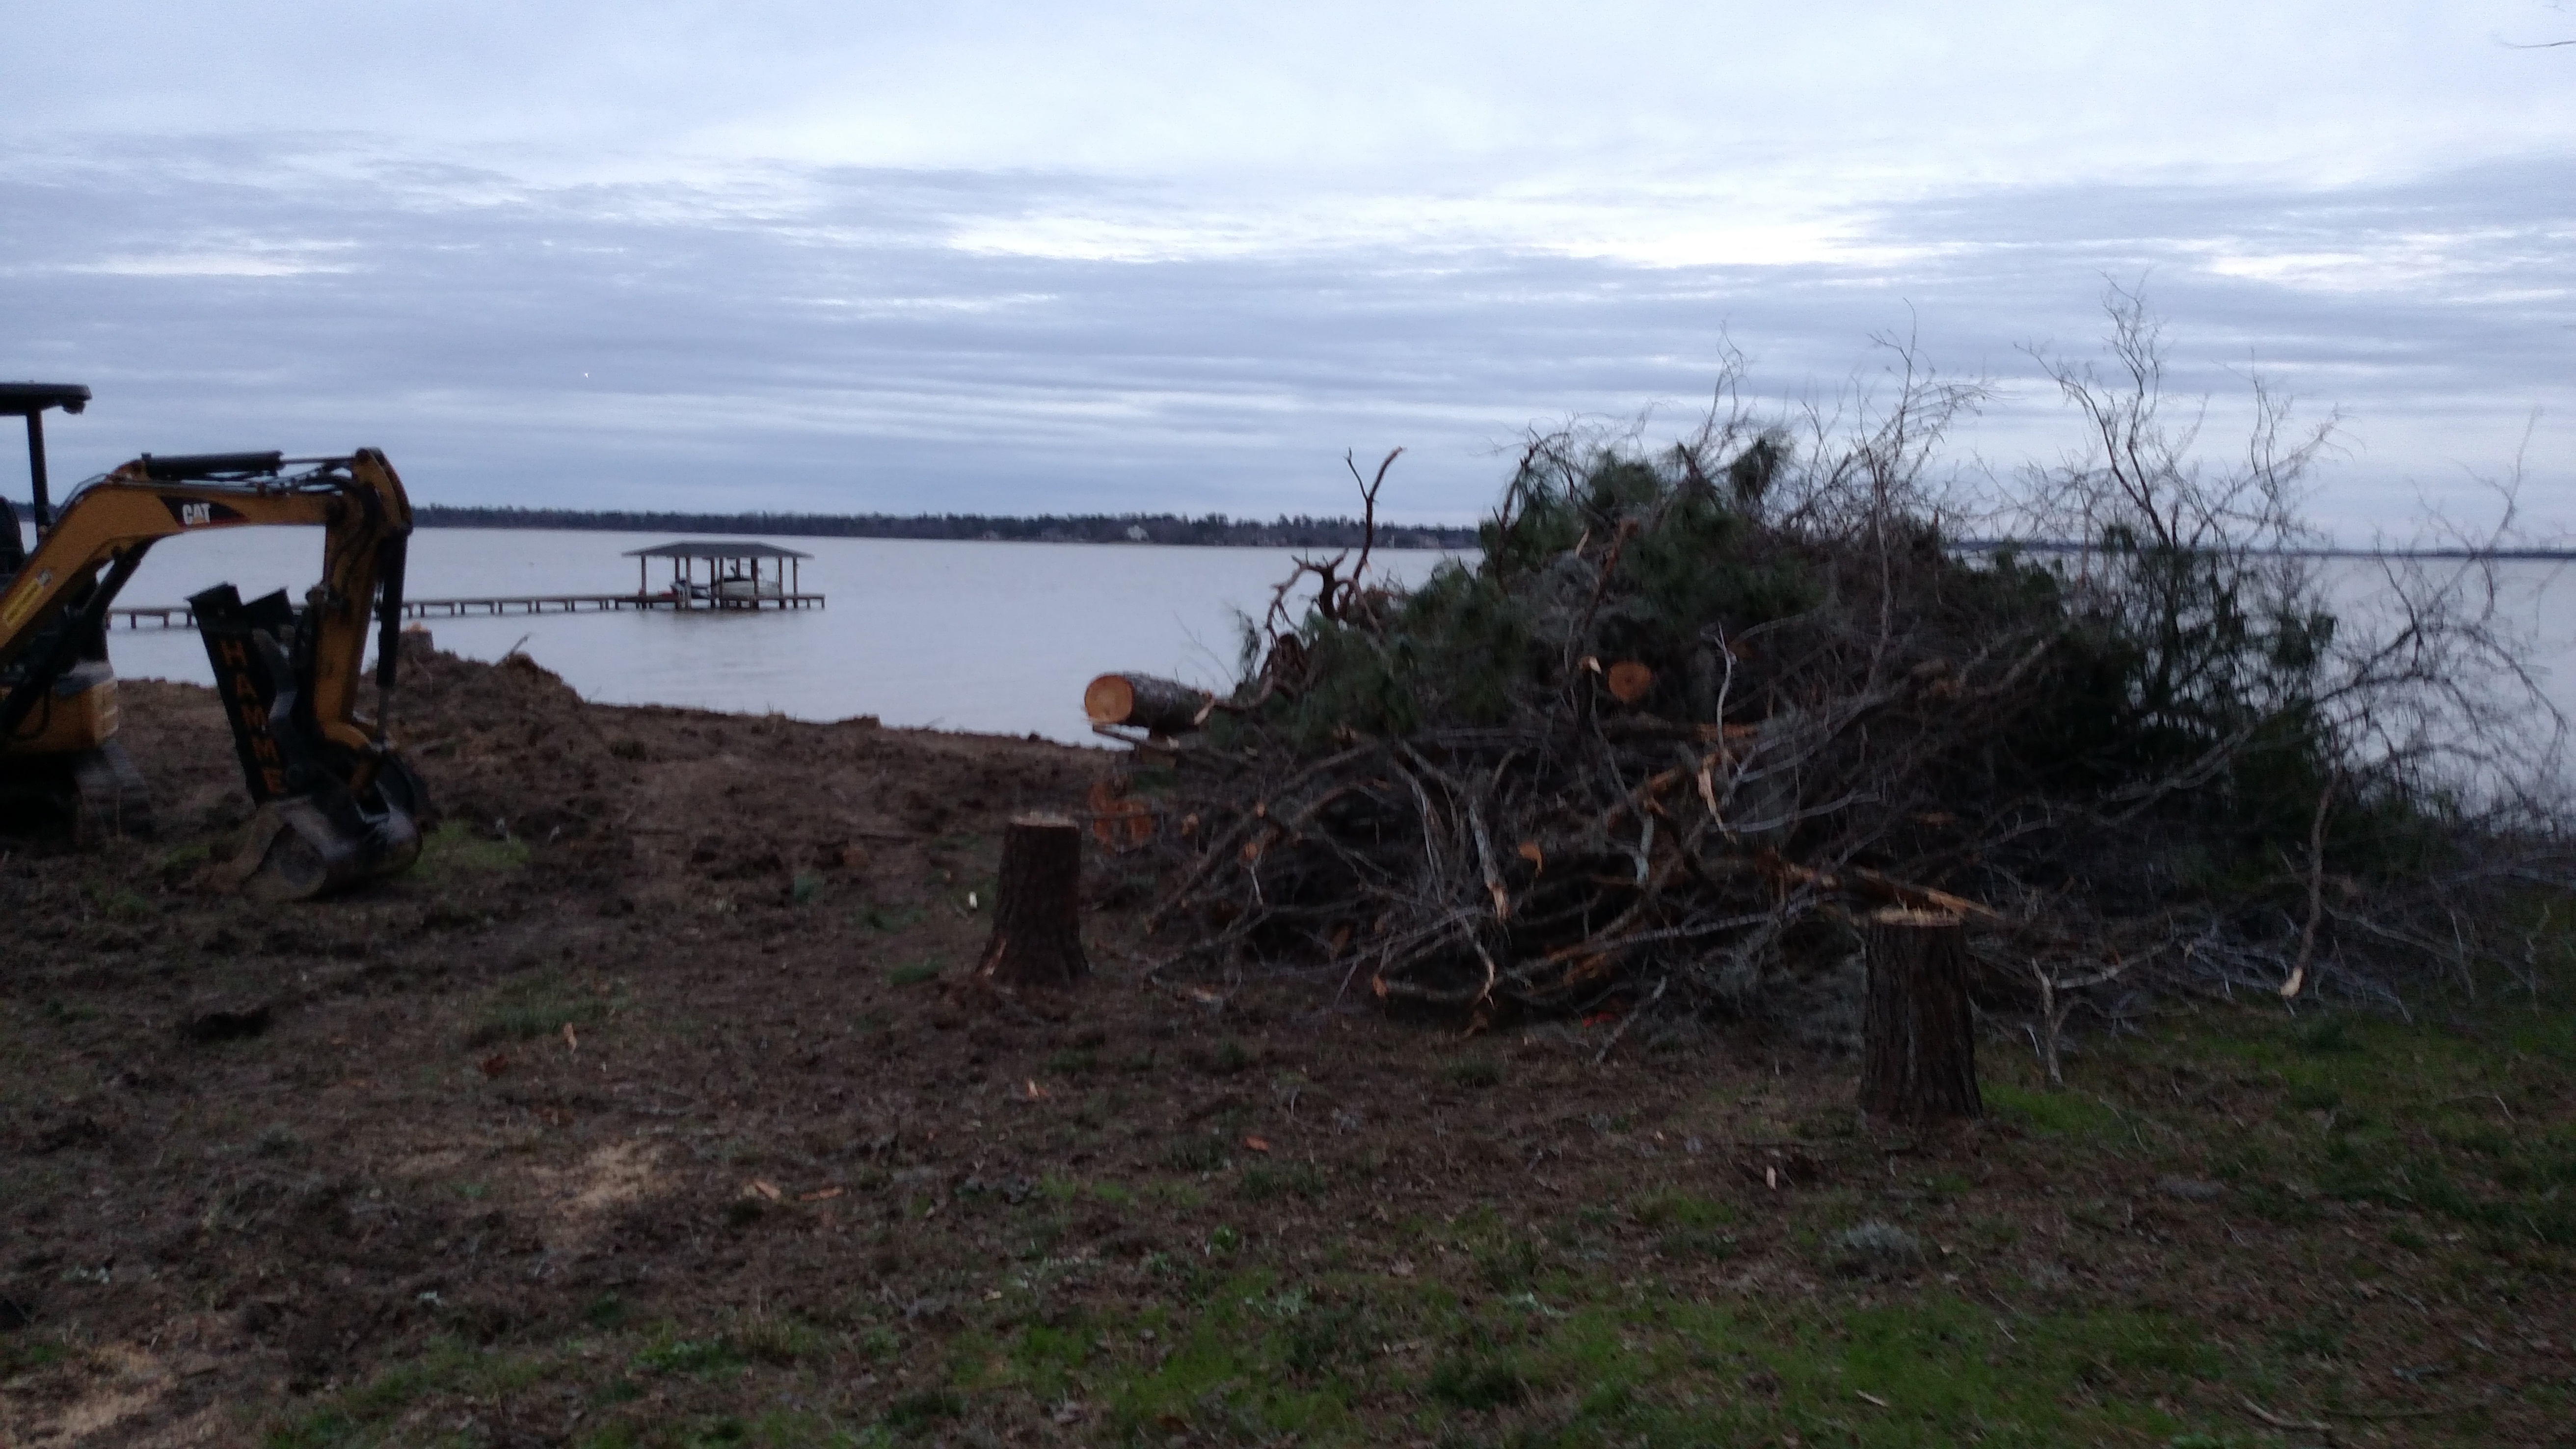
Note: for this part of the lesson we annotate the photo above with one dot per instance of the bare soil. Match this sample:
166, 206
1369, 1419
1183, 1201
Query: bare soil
644, 1111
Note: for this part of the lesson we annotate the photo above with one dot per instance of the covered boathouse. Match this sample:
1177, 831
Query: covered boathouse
736, 576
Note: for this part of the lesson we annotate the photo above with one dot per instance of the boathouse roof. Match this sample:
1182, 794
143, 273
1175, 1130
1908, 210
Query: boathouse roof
701, 548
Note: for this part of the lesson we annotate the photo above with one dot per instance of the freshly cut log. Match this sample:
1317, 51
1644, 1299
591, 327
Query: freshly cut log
1918, 1036
1630, 681
1037, 907
1164, 706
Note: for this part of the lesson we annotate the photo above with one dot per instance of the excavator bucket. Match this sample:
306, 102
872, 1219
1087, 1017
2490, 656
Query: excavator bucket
321, 822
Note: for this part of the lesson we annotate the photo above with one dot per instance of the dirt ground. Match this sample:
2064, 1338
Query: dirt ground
640, 1112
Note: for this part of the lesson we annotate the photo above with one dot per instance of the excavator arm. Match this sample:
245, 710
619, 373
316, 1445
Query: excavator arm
336, 802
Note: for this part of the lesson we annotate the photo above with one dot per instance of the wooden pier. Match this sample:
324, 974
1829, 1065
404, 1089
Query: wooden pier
180, 616
738, 575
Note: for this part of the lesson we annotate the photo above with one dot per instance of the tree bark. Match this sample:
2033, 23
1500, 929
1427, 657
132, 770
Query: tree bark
1918, 1037
1164, 706
1037, 907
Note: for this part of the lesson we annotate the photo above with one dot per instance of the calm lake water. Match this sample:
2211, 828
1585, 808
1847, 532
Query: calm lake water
992, 637
998, 638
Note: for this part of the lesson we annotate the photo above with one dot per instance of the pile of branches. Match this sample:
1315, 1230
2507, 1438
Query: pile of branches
1691, 712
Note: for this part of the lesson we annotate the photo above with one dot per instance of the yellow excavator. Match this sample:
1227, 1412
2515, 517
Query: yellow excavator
336, 804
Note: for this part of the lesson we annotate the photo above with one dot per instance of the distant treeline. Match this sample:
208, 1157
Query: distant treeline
1213, 529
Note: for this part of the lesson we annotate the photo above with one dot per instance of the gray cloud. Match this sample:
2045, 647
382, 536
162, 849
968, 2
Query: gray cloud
835, 338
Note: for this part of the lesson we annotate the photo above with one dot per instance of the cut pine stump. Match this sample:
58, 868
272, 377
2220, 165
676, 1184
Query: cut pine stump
1037, 908
1918, 1035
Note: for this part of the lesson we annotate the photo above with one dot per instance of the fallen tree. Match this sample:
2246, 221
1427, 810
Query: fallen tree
1689, 708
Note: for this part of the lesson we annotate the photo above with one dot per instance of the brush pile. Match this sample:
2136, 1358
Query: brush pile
1691, 713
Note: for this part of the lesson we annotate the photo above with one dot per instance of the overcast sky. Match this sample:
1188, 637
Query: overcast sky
1013, 257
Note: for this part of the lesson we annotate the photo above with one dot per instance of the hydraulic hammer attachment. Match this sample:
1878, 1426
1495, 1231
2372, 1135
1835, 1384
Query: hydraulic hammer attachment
327, 816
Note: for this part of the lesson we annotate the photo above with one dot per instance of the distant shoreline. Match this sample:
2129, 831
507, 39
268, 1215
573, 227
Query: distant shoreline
2500, 555
1212, 530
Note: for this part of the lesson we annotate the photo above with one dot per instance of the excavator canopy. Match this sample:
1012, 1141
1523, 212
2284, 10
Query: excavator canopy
26, 399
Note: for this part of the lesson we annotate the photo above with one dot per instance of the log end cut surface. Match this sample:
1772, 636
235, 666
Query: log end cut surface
1630, 681
1109, 699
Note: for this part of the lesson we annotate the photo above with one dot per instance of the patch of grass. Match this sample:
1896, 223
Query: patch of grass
1687, 1225
925, 969
2328, 1035
699, 1356
1327, 1338
1166, 1193
1477, 1381
1262, 1182
889, 919
1875, 1246
23, 1355
2283, 1203
776, 1341
1673, 1207
534, 1006
2316, 1338
1685, 1243
124, 904
2436, 1120
455, 848
1476, 1072
1197, 1152
2052, 1114
317, 1429
1071, 1062
2313, 1096
806, 888
373, 1411
917, 1411
1508, 1263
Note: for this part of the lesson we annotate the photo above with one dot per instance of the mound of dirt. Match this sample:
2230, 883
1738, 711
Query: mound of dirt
512, 753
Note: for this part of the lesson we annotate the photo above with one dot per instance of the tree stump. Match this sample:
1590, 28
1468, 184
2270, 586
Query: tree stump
1918, 1037
1037, 907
